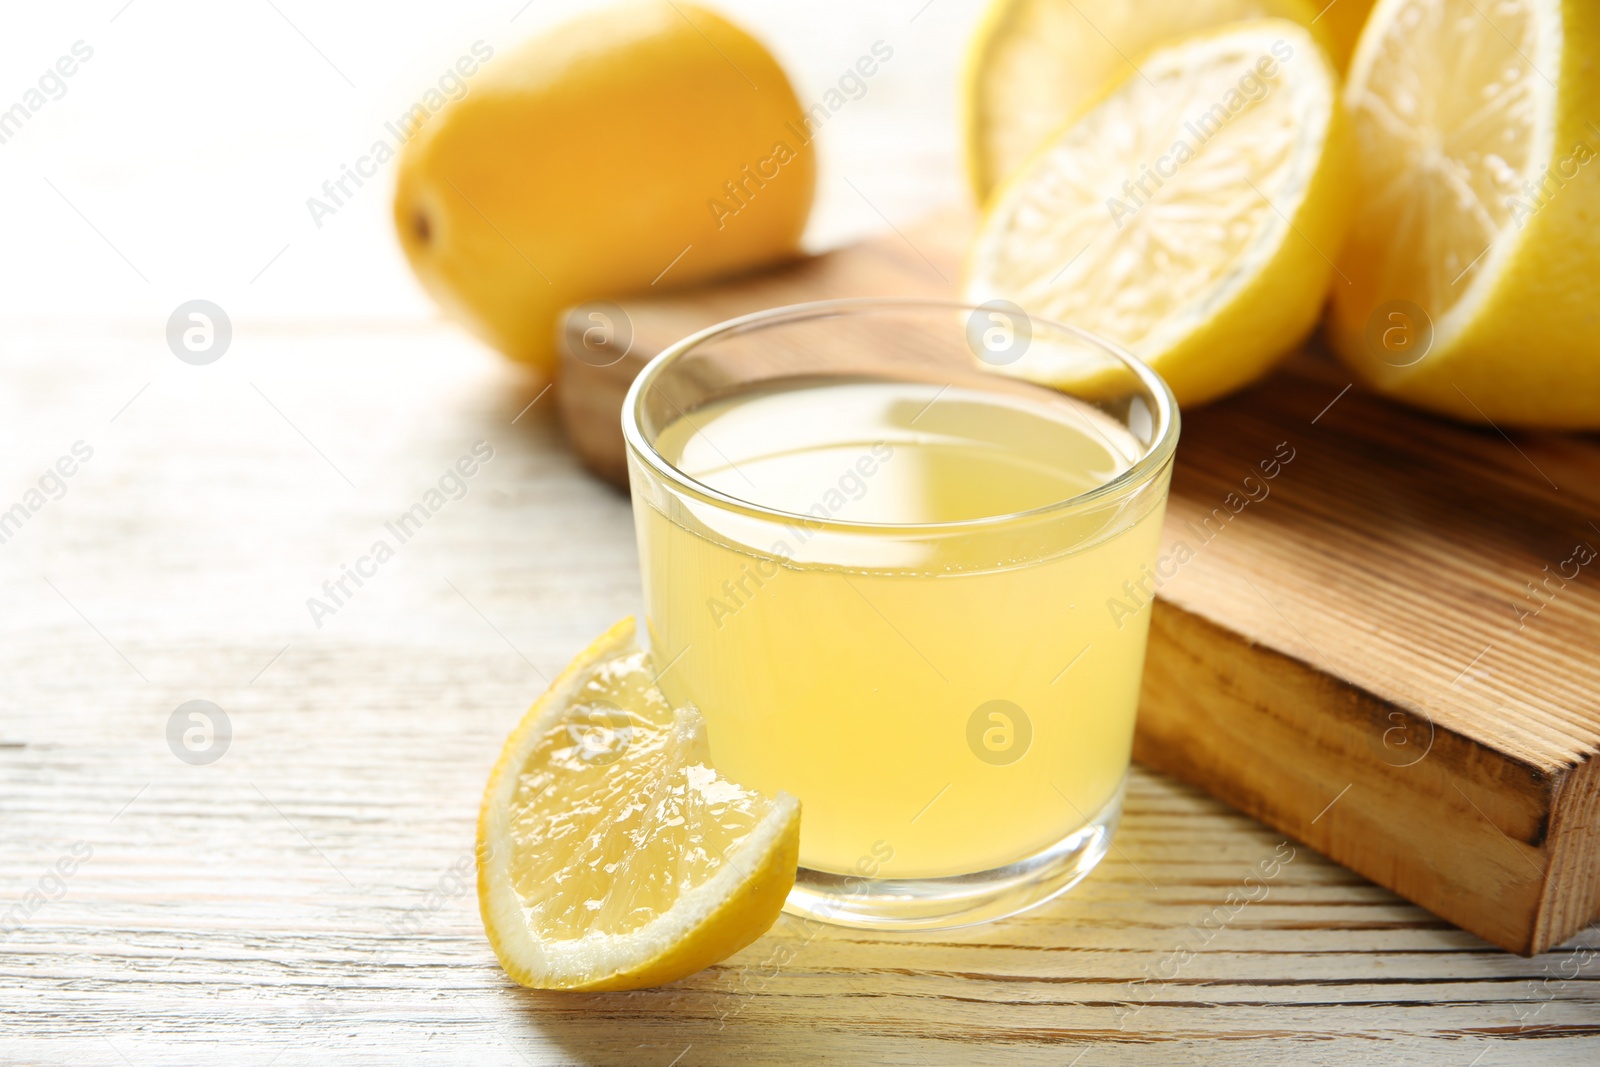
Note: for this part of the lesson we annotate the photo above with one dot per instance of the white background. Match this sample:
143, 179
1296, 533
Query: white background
193, 137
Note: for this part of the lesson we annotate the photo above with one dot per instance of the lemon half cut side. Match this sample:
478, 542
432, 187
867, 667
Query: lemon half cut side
1474, 277
1191, 216
1034, 64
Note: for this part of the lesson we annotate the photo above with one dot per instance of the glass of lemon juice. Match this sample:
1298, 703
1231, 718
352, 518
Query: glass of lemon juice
890, 573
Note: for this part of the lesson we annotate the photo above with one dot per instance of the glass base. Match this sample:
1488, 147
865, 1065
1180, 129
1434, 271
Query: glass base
962, 899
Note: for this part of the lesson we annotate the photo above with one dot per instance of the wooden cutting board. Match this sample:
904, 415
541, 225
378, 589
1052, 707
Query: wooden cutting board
1390, 650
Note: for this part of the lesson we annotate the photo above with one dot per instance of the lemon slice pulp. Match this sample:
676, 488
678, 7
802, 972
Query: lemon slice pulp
1034, 64
1189, 217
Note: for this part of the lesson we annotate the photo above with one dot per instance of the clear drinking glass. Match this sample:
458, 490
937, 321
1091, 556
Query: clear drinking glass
950, 693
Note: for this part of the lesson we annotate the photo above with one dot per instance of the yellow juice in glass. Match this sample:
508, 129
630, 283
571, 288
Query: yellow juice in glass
941, 705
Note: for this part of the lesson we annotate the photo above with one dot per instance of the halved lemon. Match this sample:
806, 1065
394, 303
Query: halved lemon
1474, 273
610, 854
1034, 64
1191, 216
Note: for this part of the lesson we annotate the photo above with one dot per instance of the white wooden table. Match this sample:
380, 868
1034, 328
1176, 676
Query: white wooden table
297, 899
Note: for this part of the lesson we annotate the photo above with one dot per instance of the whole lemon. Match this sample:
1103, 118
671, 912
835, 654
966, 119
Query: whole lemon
642, 144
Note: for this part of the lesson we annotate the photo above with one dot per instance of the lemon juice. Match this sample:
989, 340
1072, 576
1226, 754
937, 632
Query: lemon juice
887, 610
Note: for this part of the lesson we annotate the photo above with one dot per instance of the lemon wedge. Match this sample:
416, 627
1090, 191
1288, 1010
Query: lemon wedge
611, 854
1034, 64
1474, 275
1190, 216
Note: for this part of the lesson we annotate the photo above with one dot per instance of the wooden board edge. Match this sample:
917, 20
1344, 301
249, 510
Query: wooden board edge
1466, 831
1573, 888
590, 400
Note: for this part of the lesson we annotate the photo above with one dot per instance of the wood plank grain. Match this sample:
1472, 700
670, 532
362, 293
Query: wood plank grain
1396, 614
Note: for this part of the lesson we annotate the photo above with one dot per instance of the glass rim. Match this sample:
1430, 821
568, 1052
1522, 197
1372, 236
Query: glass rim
1139, 473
